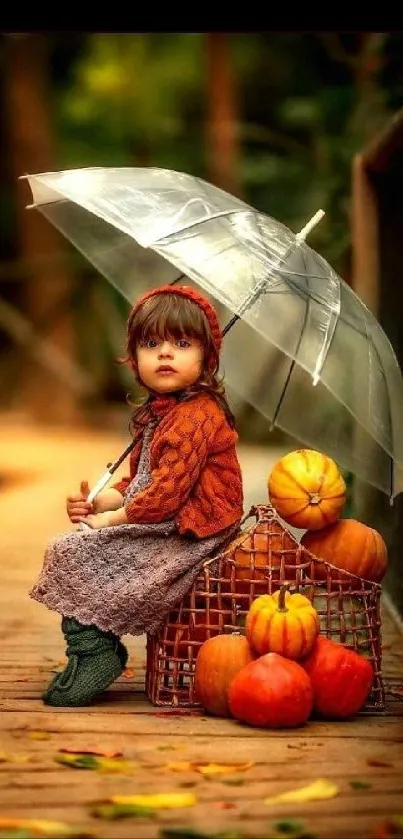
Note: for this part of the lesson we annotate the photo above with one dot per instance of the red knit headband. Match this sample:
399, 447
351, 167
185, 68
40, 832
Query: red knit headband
195, 297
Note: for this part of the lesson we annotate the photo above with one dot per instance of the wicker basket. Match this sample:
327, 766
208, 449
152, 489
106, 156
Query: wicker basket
263, 557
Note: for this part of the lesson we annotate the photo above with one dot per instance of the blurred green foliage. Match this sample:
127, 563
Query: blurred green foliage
303, 111
305, 104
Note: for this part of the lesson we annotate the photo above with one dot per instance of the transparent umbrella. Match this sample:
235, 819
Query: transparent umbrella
300, 346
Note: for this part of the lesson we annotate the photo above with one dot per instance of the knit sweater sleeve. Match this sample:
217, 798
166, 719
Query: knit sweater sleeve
178, 454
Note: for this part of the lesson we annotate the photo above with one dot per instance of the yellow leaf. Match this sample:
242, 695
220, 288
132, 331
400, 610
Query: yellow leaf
110, 764
158, 801
208, 768
42, 827
94, 752
179, 766
87, 760
7, 758
317, 791
222, 768
39, 735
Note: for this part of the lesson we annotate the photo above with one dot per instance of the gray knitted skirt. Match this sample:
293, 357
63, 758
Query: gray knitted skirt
125, 578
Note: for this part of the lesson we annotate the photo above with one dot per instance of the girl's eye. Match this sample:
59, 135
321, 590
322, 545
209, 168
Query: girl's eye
150, 344
183, 343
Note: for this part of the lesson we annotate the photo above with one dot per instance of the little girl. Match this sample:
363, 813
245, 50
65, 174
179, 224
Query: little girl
152, 532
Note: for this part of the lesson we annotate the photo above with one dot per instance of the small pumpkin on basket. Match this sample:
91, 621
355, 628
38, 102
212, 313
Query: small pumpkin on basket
260, 552
307, 489
351, 546
271, 692
219, 660
341, 679
282, 623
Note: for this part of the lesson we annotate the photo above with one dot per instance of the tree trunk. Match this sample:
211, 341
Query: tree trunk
222, 124
48, 280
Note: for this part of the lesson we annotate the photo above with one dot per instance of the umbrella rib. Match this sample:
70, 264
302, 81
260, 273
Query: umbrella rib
291, 368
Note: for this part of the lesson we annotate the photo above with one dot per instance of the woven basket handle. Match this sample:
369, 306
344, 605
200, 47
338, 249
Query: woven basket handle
262, 512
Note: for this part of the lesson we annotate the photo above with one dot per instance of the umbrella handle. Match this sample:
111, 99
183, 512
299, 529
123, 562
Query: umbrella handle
103, 480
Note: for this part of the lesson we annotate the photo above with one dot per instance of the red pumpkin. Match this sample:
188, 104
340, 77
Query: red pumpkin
341, 679
218, 661
351, 546
271, 692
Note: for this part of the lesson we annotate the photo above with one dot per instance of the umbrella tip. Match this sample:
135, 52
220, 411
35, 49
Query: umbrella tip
301, 236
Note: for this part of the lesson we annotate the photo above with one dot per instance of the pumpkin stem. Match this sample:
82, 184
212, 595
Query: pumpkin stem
281, 607
229, 630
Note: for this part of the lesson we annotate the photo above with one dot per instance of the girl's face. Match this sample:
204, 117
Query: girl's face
166, 365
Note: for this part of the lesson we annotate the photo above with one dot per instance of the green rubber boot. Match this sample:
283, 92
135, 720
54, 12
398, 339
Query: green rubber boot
95, 660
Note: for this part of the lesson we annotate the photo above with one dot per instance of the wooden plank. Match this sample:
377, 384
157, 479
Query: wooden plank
32, 647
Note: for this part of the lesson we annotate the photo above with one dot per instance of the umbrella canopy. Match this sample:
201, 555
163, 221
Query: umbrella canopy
302, 347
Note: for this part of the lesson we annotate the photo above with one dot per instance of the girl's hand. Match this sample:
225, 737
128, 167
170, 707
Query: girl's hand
98, 521
77, 505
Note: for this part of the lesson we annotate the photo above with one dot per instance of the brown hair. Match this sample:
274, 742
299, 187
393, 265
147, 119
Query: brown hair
170, 316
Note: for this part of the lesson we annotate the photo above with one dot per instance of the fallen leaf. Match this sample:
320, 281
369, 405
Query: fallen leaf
158, 801
5, 757
222, 768
223, 805
390, 828
357, 784
290, 827
121, 811
82, 760
381, 763
39, 735
121, 806
95, 752
41, 827
209, 768
128, 673
317, 791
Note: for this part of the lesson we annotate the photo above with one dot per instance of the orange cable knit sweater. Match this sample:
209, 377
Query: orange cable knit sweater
196, 477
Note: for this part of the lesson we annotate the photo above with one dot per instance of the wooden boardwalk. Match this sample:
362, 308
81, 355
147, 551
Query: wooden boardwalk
367, 753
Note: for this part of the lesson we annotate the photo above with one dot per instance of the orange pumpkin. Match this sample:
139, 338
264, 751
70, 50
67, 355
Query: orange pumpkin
218, 661
282, 623
255, 552
271, 692
307, 489
351, 546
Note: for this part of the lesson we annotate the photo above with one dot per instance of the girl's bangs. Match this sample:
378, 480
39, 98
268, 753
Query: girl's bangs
162, 317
